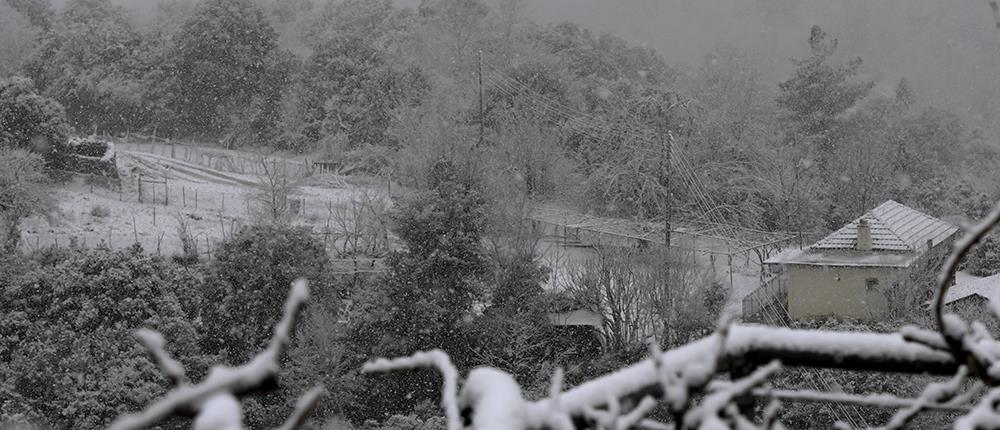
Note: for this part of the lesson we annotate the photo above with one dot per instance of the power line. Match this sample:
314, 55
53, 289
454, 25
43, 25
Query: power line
514, 88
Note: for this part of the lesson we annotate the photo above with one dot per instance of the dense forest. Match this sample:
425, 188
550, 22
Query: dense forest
477, 111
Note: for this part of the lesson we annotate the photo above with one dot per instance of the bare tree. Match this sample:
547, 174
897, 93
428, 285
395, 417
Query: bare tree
277, 185
361, 227
640, 294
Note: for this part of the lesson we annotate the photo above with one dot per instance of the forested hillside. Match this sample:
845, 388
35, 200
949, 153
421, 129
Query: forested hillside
397, 88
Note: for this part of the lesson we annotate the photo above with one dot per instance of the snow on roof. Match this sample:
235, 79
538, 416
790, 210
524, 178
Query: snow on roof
988, 288
899, 236
894, 227
784, 255
846, 259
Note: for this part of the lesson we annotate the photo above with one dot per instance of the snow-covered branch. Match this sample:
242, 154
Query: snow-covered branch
934, 393
494, 400
155, 344
214, 402
710, 412
303, 407
436, 359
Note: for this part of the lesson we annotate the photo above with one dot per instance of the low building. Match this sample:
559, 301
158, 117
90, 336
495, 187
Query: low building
91, 156
972, 298
854, 271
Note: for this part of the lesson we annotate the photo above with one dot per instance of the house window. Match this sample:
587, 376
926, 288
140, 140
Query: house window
872, 284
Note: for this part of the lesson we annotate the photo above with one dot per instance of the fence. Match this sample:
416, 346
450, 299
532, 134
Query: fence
159, 236
219, 159
772, 291
166, 192
156, 227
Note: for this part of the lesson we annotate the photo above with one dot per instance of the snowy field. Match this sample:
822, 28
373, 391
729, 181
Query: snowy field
212, 203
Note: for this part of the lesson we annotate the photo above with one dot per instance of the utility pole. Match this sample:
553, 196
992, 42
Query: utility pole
668, 205
482, 106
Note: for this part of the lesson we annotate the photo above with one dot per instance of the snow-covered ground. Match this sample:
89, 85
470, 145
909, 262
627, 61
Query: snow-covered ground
213, 204
709, 255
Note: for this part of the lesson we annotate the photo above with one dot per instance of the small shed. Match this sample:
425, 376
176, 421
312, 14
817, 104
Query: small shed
972, 297
849, 272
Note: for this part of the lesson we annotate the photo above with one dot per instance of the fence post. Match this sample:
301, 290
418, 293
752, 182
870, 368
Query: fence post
154, 214
166, 192
223, 202
183, 197
138, 184
196, 198
730, 272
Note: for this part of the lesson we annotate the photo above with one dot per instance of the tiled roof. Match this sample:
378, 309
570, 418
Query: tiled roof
894, 227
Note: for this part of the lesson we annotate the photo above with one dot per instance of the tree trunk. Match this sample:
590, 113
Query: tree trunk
13, 238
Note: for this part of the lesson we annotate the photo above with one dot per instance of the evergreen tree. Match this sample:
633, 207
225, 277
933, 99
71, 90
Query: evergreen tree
224, 60
90, 63
818, 93
29, 120
429, 291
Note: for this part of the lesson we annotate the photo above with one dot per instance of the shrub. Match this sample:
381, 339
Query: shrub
31, 121
984, 260
251, 272
22, 192
189, 247
100, 211
65, 335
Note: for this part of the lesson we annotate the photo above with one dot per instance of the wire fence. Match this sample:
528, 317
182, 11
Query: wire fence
162, 237
220, 159
152, 210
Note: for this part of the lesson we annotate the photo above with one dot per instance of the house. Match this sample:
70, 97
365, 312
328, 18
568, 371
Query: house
853, 271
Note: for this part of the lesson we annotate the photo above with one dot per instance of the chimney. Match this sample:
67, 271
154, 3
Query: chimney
864, 236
